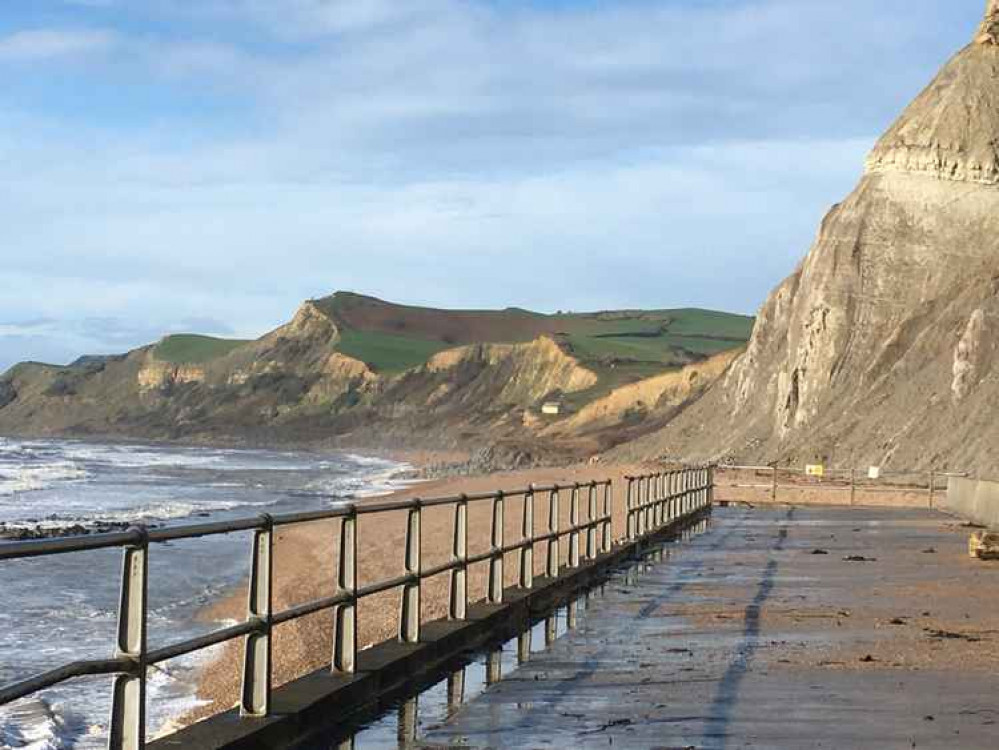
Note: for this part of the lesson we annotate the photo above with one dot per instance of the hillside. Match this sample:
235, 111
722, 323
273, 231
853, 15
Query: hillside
618, 344
882, 347
354, 370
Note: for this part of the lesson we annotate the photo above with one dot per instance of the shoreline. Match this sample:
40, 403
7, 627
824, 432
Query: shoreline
304, 569
421, 458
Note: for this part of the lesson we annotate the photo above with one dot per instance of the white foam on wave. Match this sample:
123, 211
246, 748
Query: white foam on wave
392, 477
174, 457
32, 724
157, 512
31, 478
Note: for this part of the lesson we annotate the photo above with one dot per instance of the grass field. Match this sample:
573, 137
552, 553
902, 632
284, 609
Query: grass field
192, 349
386, 353
620, 345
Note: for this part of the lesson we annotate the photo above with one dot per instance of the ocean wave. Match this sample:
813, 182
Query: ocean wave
175, 457
33, 724
375, 484
153, 513
26, 478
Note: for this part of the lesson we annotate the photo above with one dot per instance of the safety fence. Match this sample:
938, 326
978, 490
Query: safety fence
797, 485
653, 501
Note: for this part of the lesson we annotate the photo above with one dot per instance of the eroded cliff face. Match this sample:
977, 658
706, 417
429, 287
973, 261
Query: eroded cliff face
156, 376
514, 374
294, 385
880, 348
640, 401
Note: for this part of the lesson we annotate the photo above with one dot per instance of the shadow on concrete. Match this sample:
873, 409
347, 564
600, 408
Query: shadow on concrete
727, 697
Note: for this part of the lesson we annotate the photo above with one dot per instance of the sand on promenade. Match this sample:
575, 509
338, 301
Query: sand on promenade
305, 561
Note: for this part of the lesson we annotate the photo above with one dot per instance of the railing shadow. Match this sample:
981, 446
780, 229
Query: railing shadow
727, 698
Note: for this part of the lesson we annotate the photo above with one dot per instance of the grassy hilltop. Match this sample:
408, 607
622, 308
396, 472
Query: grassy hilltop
619, 345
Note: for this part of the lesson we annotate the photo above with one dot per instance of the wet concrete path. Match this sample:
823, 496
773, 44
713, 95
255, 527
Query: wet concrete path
775, 628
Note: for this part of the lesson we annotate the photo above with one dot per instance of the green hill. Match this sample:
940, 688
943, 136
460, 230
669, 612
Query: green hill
190, 348
620, 345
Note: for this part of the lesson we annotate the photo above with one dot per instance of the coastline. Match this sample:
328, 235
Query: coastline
305, 561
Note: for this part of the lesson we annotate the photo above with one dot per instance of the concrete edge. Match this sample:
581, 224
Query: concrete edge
322, 700
974, 500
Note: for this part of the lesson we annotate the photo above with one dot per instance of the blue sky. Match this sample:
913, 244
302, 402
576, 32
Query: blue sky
170, 165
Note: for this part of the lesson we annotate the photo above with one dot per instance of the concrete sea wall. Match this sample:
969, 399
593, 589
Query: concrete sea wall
976, 500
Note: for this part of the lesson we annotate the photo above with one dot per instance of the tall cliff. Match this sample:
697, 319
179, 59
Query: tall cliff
882, 346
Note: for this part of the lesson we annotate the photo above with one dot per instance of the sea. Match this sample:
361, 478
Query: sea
63, 608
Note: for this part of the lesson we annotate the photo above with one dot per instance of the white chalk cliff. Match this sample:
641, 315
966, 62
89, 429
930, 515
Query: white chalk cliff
881, 347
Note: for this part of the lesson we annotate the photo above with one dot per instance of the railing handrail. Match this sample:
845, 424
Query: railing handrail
838, 470
654, 500
87, 542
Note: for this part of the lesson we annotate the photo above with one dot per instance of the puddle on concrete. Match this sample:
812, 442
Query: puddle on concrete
403, 722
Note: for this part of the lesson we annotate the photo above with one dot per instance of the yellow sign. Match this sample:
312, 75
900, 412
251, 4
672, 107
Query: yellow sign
815, 470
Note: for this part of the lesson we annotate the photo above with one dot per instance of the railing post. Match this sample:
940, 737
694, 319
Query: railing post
409, 610
853, 486
661, 500
256, 684
639, 507
459, 551
647, 504
455, 689
933, 481
592, 523
711, 485
345, 638
496, 561
670, 492
127, 729
681, 495
494, 667
630, 509
650, 508
524, 647
664, 499
407, 724
571, 609
574, 527
527, 535
657, 515
608, 517
552, 564
650, 504
773, 491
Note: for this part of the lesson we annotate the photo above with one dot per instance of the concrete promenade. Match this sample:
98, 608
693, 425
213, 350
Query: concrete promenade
779, 627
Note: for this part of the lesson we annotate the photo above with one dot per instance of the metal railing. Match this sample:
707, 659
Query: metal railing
771, 479
653, 501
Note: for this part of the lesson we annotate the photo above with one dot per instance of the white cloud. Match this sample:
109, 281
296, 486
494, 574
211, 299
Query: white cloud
48, 44
442, 152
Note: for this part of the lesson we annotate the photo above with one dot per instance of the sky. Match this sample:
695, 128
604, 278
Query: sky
181, 166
